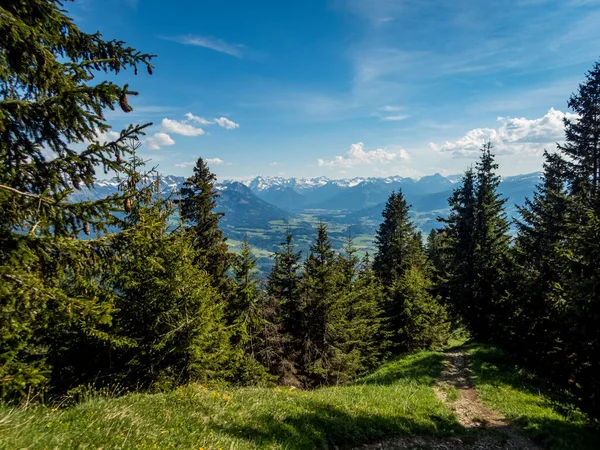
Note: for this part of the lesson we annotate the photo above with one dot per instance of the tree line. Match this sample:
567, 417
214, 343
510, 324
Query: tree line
139, 290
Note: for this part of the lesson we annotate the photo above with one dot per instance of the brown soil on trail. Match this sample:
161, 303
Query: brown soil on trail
491, 431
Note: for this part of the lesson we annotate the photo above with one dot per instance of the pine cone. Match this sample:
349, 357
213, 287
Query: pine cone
135, 71
86, 228
128, 205
124, 104
149, 70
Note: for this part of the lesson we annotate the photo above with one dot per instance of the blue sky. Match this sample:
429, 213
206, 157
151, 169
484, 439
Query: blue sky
347, 88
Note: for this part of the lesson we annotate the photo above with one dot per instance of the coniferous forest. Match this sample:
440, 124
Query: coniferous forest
102, 293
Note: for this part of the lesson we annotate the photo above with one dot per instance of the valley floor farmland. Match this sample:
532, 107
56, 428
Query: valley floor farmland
396, 400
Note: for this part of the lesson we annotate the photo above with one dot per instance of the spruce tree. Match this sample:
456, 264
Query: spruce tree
459, 246
50, 108
538, 295
198, 203
582, 151
247, 318
395, 240
423, 320
364, 302
490, 253
319, 312
582, 135
282, 300
283, 283
167, 308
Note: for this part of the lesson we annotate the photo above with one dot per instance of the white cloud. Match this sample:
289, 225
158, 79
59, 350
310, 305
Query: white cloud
514, 136
394, 118
106, 136
273, 163
158, 140
200, 120
224, 122
211, 161
218, 45
357, 156
183, 128
390, 108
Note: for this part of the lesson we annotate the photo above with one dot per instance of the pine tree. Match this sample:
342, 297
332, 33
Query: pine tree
582, 146
490, 256
319, 312
423, 321
284, 284
247, 318
538, 297
50, 107
167, 307
395, 240
582, 151
282, 299
364, 301
198, 202
459, 246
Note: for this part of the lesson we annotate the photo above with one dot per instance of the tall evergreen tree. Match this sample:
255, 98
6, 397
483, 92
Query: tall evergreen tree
247, 317
198, 203
491, 245
582, 133
364, 302
582, 151
459, 245
284, 284
50, 106
167, 307
395, 240
319, 312
538, 293
400, 255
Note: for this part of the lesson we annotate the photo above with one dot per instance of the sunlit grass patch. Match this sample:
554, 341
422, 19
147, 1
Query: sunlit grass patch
396, 399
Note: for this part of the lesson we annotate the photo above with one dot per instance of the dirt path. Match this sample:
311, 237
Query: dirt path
490, 430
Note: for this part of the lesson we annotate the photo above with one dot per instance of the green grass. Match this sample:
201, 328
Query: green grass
529, 403
396, 399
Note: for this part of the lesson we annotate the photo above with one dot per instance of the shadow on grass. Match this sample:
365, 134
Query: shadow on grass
560, 435
325, 426
493, 366
423, 367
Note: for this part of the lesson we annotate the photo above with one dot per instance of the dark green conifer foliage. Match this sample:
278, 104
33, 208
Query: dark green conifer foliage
537, 326
284, 283
582, 146
282, 299
395, 240
50, 107
167, 308
423, 321
364, 301
491, 245
582, 151
400, 257
318, 298
459, 245
198, 202
247, 317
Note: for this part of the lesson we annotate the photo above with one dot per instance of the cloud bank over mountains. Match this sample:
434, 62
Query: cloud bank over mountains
514, 136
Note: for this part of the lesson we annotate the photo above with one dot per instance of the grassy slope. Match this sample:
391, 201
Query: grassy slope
396, 399
527, 402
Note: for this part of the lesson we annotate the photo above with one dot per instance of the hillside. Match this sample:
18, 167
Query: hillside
397, 402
